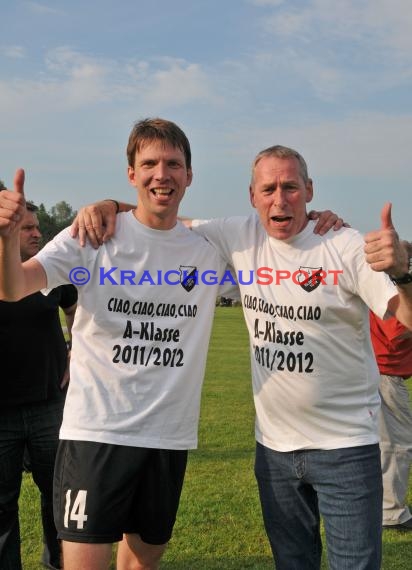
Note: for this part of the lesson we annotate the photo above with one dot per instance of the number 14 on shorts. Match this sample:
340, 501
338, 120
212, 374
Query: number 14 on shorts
75, 511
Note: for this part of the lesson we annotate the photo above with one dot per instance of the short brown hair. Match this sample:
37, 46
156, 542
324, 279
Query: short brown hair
149, 130
30, 207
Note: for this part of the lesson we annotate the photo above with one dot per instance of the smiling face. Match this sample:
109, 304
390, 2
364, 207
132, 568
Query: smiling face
161, 177
280, 194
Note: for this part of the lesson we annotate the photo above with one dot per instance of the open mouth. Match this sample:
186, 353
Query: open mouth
280, 219
161, 191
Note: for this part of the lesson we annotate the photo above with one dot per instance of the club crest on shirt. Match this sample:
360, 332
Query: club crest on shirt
309, 278
188, 276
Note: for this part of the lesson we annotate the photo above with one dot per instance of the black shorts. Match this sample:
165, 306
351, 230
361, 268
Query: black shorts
102, 491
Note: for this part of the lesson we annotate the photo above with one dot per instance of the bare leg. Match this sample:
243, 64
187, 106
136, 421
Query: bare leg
86, 556
134, 554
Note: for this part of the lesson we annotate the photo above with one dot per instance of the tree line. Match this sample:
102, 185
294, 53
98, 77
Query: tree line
55, 219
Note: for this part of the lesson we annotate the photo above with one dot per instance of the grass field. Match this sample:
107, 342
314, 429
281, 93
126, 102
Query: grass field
219, 521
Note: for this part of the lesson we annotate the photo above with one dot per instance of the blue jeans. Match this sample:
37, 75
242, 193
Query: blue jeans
344, 486
35, 426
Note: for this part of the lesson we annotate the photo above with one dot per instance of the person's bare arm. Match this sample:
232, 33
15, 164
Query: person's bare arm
17, 280
326, 220
186, 222
97, 222
69, 313
401, 305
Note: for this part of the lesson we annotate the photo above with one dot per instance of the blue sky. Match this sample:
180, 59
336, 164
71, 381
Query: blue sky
331, 78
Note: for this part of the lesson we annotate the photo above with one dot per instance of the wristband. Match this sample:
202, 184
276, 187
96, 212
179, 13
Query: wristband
404, 279
115, 202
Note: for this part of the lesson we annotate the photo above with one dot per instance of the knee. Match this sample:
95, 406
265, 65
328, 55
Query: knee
134, 554
138, 563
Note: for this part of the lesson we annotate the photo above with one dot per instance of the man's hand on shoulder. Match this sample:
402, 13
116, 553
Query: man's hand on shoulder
95, 222
326, 220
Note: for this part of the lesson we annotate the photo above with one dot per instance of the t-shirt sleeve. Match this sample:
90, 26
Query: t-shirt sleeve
375, 288
219, 232
68, 296
59, 256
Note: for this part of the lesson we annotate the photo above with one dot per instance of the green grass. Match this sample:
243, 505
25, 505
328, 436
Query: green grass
219, 524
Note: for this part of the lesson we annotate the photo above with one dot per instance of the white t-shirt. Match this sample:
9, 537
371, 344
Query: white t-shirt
315, 378
140, 335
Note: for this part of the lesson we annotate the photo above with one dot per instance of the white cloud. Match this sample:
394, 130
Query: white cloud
289, 22
178, 84
70, 79
13, 52
80, 79
266, 2
392, 22
286, 65
40, 8
365, 145
377, 24
339, 49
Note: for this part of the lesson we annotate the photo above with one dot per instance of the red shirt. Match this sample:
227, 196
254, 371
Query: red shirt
392, 343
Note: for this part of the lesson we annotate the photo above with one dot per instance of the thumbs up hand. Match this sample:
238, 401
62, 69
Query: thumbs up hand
12, 206
383, 249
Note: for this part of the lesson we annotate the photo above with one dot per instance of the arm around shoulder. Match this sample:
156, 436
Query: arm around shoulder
97, 222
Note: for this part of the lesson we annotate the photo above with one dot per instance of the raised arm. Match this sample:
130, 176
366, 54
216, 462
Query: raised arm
385, 252
17, 280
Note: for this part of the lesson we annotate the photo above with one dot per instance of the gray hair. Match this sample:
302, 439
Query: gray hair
280, 151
